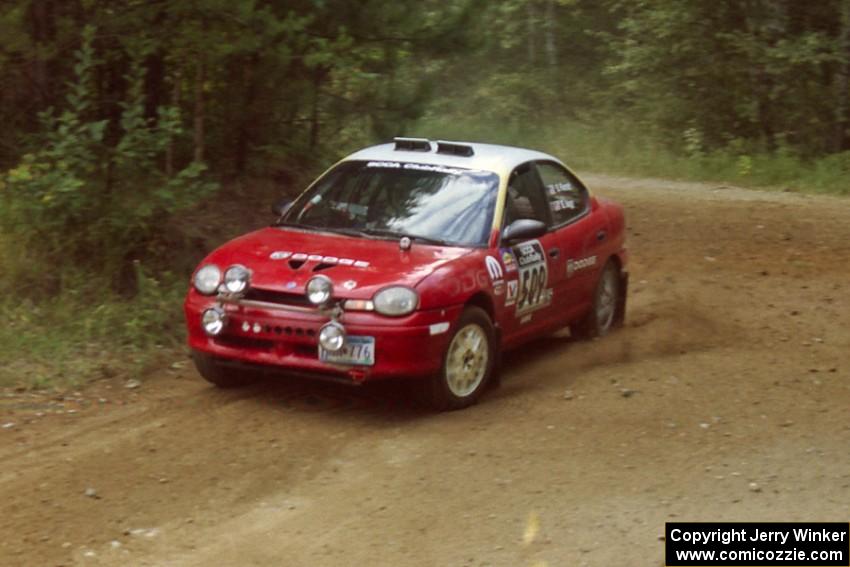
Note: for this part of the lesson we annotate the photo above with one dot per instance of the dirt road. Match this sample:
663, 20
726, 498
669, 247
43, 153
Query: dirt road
726, 397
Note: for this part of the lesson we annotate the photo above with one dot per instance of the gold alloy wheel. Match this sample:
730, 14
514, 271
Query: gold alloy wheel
467, 359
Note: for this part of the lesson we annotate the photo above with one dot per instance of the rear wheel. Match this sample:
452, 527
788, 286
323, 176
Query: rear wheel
467, 363
603, 314
221, 376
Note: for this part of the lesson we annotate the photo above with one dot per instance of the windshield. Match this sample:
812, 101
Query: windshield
389, 199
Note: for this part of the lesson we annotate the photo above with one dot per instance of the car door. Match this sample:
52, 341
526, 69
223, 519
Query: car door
579, 231
532, 267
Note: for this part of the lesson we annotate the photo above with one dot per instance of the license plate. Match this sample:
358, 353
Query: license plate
357, 350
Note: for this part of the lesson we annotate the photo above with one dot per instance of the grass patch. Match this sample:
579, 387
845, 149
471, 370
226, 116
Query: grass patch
67, 340
617, 147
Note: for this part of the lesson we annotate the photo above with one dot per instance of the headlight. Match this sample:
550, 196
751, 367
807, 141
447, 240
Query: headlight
213, 320
207, 279
236, 278
332, 336
396, 301
319, 290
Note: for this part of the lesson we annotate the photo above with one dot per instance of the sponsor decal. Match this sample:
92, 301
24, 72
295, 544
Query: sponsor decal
302, 257
499, 287
555, 188
574, 266
349, 284
416, 167
529, 253
509, 260
510, 298
533, 277
562, 205
494, 268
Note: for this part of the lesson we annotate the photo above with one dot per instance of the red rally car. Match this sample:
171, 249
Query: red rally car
412, 259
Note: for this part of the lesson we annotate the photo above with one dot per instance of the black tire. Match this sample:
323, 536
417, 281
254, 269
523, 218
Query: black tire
444, 391
604, 314
222, 376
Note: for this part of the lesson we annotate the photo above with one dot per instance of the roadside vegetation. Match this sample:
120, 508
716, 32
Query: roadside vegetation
139, 134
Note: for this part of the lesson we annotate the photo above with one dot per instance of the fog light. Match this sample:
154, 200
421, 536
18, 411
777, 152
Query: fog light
213, 320
332, 336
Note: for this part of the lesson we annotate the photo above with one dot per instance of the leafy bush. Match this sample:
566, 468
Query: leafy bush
93, 196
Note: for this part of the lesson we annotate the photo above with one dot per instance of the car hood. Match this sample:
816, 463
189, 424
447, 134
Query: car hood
284, 259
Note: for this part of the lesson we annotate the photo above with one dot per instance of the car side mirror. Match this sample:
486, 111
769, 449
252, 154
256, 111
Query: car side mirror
279, 208
524, 229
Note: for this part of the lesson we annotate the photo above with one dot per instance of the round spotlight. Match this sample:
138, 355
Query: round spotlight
207, 279
319, 290
213, 320
237, 278
332, 336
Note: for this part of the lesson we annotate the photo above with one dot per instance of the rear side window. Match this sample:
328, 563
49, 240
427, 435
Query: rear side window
567, 198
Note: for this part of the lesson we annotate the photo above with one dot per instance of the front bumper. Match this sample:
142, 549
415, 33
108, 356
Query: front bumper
287, 340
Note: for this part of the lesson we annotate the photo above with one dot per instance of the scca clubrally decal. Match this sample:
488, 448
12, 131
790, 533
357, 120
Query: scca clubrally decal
533, 277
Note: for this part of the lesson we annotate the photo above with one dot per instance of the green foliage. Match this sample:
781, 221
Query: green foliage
81, 202
758, 71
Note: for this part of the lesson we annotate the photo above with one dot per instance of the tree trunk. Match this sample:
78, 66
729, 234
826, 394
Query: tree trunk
314, 115
199, 112
155, 92
169, 152
549, 28
248, 115
530, 31
840, 138
41, 33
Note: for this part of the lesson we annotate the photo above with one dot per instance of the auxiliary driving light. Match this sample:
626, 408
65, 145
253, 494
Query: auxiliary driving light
213, 320
236, 278
319, 290
332, 336
206, 279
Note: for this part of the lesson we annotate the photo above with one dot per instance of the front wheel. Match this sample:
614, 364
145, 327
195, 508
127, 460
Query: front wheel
603, 314
467, 363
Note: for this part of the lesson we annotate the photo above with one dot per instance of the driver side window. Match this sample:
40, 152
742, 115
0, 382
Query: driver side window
565, 195
525, 199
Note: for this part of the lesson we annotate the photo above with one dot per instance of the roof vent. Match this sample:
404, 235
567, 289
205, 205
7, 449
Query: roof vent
455, 149
412, 144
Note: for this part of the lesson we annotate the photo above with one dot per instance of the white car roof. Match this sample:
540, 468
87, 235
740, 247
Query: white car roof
486, 157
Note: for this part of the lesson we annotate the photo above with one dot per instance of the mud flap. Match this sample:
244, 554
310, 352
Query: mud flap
620, 314
496, 376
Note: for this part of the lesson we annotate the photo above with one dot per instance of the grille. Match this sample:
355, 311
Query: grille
280, 297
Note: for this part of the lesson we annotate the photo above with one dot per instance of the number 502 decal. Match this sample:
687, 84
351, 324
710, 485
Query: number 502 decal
533, 276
